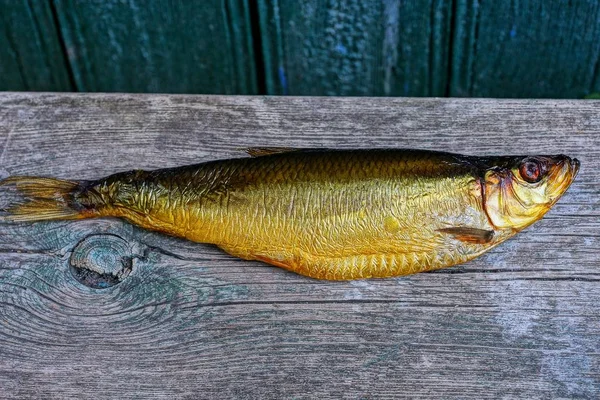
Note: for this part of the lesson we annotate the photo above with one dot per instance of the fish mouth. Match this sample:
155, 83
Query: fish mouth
575, 164
564, 174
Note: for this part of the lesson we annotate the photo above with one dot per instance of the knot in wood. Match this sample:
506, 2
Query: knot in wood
101, 261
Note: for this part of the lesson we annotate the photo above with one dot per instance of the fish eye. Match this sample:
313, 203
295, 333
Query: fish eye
531, 170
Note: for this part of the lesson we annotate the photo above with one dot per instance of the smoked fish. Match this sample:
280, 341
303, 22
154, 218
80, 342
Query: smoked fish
326, 214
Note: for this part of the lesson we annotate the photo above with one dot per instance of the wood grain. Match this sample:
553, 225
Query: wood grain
192, 322
169, 46
353, 48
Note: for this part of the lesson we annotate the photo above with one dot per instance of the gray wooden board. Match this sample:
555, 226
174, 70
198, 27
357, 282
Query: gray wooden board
523, 321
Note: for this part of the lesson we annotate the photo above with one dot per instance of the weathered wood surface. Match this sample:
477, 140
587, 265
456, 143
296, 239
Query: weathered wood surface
189, 321
526, 48
31, 52
355, 47
127, 46
529, 48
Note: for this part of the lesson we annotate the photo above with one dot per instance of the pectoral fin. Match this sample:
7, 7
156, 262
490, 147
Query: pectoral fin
266, 151
470, 235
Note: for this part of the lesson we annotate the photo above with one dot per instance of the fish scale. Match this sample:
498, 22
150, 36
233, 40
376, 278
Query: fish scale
326, 214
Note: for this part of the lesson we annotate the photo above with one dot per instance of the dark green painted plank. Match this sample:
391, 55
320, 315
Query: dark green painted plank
526, 48
30, 52
160, 46
355, 47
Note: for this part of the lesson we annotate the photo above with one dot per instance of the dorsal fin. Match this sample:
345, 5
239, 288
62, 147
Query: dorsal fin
266, 151
470, 235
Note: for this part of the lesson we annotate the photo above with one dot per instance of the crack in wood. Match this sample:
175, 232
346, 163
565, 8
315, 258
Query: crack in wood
101, 261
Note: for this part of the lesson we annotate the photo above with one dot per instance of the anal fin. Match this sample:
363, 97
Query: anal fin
266, 151
273, 261
278, 259
470, 235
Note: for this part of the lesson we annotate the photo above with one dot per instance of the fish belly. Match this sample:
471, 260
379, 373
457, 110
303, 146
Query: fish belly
350, 230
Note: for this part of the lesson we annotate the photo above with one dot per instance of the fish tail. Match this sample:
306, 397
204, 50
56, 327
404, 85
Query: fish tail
44, 199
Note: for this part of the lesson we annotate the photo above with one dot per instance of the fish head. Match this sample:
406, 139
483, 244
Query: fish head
519, 190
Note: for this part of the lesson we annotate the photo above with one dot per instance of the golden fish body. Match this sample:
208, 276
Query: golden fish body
325, 214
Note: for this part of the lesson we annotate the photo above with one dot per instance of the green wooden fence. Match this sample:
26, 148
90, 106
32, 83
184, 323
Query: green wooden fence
516, 48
